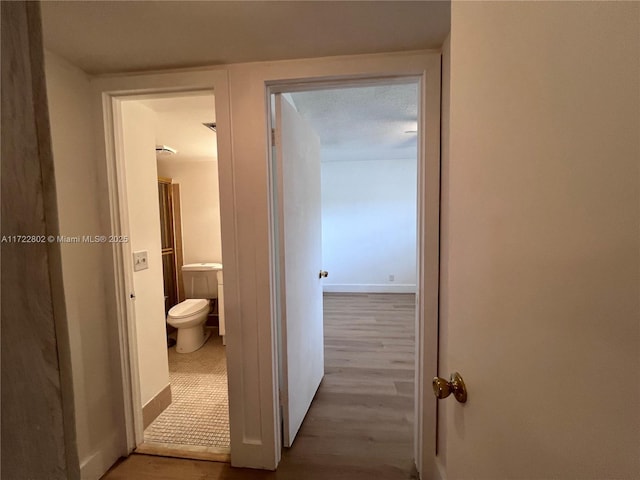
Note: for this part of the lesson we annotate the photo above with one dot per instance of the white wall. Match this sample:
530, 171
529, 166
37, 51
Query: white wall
93, 335
369, 225
543, 194
139, 140
200, 207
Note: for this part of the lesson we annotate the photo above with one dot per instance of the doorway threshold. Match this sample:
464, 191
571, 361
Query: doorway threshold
193, 452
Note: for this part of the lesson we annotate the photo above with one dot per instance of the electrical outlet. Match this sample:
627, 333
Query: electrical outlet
392, 278
140, 261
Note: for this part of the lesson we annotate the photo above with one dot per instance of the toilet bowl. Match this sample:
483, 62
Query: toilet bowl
202, 283
189, 318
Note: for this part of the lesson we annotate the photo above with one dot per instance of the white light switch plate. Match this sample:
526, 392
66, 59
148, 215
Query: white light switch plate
140, 261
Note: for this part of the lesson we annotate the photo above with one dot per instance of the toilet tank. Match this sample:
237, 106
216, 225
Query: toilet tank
200, 280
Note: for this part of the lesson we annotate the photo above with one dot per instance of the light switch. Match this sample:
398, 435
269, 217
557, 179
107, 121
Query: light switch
140, 261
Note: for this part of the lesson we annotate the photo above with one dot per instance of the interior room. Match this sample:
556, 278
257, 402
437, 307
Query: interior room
368, 147
170, 167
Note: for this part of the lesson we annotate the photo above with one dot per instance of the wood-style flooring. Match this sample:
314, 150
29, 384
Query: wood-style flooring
360, 425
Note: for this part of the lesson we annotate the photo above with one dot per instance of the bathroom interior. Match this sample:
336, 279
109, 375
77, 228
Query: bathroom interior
170, 157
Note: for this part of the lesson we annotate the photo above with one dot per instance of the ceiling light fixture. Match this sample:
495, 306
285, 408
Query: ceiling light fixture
165, 150
210, 126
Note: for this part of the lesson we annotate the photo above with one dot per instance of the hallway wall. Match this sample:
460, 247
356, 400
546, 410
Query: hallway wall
92, 333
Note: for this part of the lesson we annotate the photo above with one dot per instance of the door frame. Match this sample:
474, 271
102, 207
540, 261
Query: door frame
428, 238
109, 93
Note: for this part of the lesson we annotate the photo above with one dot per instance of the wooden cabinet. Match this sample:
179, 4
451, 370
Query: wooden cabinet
171, 241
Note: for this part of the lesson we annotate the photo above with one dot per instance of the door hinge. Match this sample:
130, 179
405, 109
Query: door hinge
273, 137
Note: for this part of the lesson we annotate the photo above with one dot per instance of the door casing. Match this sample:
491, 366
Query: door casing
428, 213
109, 93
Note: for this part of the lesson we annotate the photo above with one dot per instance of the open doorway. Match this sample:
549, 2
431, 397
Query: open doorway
169, 170
346, 165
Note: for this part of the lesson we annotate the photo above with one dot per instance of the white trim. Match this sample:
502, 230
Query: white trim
157, 404
101, 459
428, 228
119, 222
440, 473
369, 288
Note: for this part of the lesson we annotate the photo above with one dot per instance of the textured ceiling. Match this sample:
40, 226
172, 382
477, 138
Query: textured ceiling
179, 125
363, 123
354, 124
120, 36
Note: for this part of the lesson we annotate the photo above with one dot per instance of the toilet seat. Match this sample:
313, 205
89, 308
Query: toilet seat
188, 308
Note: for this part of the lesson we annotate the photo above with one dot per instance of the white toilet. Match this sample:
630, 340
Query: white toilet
200, 282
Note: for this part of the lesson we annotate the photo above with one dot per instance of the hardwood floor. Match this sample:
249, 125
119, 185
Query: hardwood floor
360, 425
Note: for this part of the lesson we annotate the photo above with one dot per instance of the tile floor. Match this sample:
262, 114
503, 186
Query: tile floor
199, 411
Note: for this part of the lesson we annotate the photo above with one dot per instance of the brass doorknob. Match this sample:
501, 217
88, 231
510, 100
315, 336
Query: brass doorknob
323, 274
455, 385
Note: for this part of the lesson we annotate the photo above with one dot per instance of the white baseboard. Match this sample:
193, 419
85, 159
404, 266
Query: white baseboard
101, 460
440, 471
156, 406
369, 288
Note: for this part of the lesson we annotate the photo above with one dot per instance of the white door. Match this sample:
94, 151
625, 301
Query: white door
300, 246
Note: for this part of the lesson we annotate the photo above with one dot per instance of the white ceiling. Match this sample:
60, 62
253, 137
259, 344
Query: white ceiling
179, 125
119, 36
364, 123
354, 124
